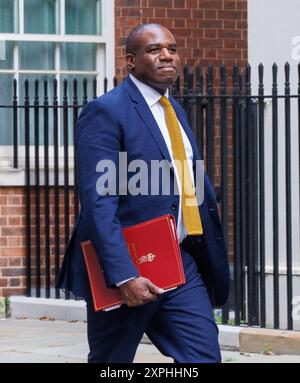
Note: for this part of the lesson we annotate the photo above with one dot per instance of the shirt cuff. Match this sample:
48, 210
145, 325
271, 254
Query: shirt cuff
118, 284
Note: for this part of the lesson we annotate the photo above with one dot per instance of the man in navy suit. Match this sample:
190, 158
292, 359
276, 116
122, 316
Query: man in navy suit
131, 119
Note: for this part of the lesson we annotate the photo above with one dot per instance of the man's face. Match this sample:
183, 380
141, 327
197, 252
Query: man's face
156, 61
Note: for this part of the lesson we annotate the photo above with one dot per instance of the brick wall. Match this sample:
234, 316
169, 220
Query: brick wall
12, 241
13, 238
205, 30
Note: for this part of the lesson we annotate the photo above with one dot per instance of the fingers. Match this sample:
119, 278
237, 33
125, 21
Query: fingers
139, 291
141, 300
149, 297
154, 289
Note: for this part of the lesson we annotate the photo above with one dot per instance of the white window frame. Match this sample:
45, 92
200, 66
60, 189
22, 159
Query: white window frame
105, 66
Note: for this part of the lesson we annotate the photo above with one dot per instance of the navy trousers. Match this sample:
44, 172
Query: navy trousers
180, 323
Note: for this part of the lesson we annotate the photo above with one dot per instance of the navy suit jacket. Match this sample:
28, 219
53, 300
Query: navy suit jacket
121, 121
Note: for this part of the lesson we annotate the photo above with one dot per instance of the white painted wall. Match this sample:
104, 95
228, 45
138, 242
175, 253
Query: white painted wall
274, 36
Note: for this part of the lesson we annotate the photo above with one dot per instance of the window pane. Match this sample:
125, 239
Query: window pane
83, 17
31, 79
6, 55
78, 56
7, 17
37, 55
6, 121
40, 16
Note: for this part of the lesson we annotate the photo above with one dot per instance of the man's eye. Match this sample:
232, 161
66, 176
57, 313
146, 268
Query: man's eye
173, 50
154, 50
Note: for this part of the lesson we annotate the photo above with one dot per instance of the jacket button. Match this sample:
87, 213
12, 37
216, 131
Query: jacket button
174, 206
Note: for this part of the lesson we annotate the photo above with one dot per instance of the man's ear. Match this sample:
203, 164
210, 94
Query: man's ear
130, 62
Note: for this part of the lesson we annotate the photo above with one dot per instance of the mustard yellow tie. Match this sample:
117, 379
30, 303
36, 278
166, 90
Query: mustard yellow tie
191, 216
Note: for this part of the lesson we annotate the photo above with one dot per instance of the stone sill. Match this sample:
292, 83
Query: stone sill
17, 177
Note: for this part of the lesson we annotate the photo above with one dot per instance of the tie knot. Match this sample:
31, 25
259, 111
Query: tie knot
164, 101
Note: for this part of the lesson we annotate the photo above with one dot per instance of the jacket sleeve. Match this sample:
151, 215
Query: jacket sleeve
98, 138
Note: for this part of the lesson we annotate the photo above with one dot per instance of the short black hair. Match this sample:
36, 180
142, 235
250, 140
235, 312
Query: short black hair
131, 46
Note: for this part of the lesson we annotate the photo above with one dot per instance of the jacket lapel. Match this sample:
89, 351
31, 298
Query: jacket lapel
145, 113
149, 120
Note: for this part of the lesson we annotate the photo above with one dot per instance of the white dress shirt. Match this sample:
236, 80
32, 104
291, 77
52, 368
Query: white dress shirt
152, 97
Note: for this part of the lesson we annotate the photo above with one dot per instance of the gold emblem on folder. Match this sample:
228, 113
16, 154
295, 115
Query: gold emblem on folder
147, 258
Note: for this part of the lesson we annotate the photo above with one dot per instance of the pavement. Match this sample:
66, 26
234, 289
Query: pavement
244, 339
48, 340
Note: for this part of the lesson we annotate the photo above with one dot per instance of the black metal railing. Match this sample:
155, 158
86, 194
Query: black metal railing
230, 124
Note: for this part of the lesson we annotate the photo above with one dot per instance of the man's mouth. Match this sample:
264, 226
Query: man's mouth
166, 68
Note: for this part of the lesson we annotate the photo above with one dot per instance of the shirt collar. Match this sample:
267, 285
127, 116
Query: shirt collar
150, 95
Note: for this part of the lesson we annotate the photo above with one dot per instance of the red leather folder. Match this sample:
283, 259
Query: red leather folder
154, 249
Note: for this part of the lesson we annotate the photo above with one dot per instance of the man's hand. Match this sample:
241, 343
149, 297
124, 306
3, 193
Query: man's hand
139, 291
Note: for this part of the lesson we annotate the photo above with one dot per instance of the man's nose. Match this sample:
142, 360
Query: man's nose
165, 55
